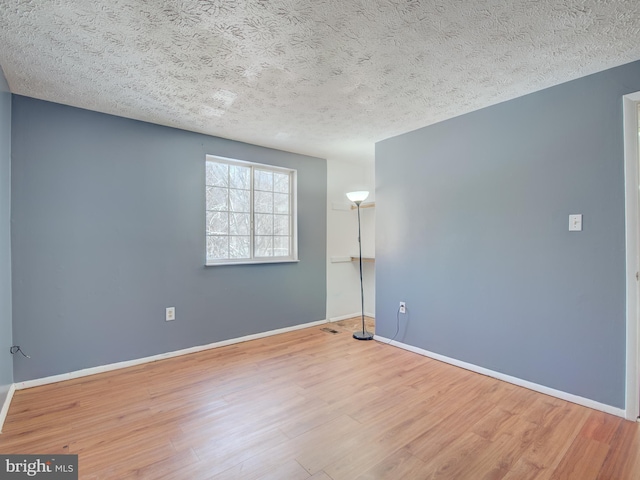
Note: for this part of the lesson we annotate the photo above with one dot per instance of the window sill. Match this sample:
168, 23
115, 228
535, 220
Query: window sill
253, 262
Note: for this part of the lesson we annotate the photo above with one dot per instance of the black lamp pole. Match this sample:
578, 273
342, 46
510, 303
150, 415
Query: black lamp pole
363, 335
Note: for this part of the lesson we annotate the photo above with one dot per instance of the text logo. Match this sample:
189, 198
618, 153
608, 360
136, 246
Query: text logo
51, 467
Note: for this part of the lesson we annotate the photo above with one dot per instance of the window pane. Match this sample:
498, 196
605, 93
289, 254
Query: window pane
281, 182
264, 247
217, 248
217, 174
263, 202
281, 203
264, 224
217, 223
249, 211
217, 198
240, 201
281, 246
239, 247
281, 225
239, 224
263, 180
240, 177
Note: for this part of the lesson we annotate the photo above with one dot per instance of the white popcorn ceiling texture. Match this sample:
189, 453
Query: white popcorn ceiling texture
321, 77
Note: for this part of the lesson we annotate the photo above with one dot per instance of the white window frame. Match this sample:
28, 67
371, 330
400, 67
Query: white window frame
293, 213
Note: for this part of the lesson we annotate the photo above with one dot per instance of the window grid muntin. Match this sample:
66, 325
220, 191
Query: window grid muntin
287, 242
261, 188
219, 236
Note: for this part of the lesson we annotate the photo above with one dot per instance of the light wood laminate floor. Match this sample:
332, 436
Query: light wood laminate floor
321, 405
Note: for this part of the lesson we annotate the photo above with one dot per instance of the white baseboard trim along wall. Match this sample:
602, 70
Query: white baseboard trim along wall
138, 361
351, 315
569, 397
5, 406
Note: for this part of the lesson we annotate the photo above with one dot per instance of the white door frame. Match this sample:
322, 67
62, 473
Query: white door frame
632, 238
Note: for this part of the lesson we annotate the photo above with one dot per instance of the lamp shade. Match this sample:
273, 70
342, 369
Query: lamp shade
358, 197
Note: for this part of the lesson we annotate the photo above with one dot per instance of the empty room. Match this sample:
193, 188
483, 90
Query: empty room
329, 240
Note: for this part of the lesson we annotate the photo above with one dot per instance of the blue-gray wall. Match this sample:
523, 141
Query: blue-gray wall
472, 232
6, 359
108, 230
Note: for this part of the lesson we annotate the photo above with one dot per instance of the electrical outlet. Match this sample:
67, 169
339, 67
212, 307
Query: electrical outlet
403, 307
170, 314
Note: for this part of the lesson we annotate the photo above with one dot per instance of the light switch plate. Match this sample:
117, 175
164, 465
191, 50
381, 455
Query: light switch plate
575, 222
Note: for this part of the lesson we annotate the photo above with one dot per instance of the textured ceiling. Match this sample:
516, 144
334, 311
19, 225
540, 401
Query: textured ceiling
322, 77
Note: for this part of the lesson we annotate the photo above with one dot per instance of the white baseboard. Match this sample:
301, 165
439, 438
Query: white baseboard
5, 406
351, 315
569, 397
138, 361
344, 317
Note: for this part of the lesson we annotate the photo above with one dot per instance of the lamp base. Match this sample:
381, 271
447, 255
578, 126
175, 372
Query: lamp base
363, 335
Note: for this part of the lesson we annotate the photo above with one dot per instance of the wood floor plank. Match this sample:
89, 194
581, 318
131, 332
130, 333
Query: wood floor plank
557, 432
290, 470
378, 445
173, 466
309, 449
452, 461
504, 451
622, 459
312, 404
601, 427
226, 451
330, 447
523, 470
320, 476
583, 460
401, 464
454, 423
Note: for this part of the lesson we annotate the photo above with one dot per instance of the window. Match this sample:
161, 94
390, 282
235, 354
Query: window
251, 212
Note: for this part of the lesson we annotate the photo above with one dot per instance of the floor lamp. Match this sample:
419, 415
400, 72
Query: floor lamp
358, 198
